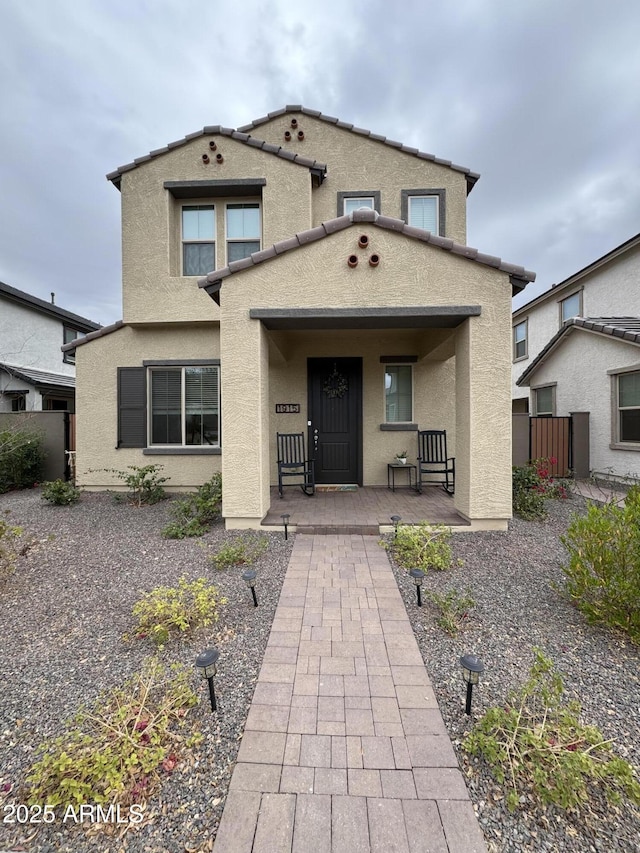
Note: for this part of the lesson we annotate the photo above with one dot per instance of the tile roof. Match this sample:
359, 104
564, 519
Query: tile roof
472, 177
39, 377
100, 333
626, 329
212, 282
211, 130
82, 324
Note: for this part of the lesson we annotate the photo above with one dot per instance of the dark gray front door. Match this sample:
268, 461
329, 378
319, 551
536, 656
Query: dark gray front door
335, 412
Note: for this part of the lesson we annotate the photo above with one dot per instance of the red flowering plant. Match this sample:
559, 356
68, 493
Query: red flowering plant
535, 482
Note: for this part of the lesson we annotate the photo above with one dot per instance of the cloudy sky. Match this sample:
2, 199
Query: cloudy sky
542, 97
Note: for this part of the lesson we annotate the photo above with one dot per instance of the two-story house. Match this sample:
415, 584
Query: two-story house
576, 348
35, 375
300, 274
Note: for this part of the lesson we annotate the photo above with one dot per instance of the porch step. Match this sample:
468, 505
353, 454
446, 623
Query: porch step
336, 529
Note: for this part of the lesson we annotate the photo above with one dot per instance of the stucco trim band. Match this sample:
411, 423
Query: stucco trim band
425, 317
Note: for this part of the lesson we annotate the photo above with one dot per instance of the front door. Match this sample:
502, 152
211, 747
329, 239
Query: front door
335, 414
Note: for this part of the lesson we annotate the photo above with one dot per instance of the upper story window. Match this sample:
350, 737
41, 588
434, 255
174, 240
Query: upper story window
198, 239
424, 209
628, 405
357, 200
71, 334
520, 341
571, 307
398, 393
185, 406
243, 230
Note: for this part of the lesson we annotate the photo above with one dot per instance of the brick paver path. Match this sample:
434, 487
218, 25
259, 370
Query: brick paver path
344, 749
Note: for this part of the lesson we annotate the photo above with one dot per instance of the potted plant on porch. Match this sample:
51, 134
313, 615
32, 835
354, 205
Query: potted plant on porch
401, 458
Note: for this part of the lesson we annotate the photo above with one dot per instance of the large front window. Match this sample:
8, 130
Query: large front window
198, 239
629, 406
185, 406
398, 393
243, 230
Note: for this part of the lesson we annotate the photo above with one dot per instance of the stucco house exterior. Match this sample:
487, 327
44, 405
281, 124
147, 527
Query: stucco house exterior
576, 348
300, 274
35, 375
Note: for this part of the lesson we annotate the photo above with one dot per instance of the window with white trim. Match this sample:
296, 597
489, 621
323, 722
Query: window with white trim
628, 406
520, 341
543, 400
351, 204
571, 307
184, 406
243, 230
198, 239
423, 212
398, 393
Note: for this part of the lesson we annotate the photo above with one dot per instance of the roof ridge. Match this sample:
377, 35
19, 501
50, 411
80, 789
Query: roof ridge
46, 307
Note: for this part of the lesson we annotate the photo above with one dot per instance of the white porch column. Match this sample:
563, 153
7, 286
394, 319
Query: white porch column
483, 421
245, 419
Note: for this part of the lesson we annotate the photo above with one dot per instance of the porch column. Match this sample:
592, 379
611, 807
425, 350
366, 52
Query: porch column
245, 420
483, 420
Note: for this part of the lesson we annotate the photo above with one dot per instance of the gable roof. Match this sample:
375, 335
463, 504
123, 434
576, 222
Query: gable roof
626, 329
26, 299
40, 377
317, 168
575, 277
472, 177
213, 281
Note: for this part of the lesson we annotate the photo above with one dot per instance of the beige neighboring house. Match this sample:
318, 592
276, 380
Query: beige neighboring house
576, 348
300, 274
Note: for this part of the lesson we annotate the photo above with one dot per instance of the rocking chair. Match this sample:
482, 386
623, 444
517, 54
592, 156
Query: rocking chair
293, 462
433, 459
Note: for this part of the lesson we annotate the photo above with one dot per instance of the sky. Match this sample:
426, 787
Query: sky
541, 97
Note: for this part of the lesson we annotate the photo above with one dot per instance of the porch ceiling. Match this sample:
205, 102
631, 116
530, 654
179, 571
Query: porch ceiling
421, 317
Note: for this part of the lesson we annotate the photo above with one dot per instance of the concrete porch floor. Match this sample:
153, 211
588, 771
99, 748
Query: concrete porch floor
361, 512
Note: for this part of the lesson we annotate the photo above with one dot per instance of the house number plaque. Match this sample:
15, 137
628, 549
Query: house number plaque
287, 408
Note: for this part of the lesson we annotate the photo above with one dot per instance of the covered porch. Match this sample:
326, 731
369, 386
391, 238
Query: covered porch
365, 510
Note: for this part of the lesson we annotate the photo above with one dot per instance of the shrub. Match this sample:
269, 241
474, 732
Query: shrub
21, 459
243, 551
537, 744
532, 484
144, 483
9, 537
168, 610
194, 514
453, 609
114, 752
603, 573
421, 546
60, 493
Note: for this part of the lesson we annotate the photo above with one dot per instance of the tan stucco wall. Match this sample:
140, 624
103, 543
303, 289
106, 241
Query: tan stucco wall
356, 163
410, 273
153, 288
97, 366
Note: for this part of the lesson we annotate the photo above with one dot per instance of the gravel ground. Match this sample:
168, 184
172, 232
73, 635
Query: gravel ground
64, 611
63, 615
510, 577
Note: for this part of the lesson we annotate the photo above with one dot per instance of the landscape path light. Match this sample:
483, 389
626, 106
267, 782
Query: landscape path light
206, 664
285, 520
472, 669
396, 519
249, 577
418, 577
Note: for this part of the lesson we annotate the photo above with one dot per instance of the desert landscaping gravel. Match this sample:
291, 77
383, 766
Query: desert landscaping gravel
64, 611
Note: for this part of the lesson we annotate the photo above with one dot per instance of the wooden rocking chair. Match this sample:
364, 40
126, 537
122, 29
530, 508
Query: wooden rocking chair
433, 459
293, 462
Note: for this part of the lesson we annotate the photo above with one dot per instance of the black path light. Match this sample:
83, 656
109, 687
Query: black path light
396, 519
249, 577
472, 669
285, 520
418, 577
206, 665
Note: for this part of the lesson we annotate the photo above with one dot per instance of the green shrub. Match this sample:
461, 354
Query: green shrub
243, 551
114, 751
194, 514
9, 538
144, 483
60, 493
168, 610
603, 573
538, 744
21, 459
453, 609
421, 546
533, 484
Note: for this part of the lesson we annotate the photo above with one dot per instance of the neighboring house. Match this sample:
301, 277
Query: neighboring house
35, 375
343, 303
576, 348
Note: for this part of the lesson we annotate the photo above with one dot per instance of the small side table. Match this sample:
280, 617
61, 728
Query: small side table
392, 467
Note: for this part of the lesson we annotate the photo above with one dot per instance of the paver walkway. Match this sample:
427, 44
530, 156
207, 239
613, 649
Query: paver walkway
344, 749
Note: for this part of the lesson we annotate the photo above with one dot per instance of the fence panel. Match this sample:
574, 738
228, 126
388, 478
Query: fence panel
551, 438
